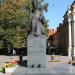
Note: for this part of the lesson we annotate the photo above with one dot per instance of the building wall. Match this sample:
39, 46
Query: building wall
64, 37
61, 39
50, 42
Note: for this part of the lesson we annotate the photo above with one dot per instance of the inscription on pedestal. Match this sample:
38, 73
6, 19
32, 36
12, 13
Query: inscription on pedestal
36, 51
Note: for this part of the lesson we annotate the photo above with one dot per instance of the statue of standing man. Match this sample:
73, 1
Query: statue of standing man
37, 20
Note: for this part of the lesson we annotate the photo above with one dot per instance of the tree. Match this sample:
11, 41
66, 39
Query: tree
14, 15
14, 18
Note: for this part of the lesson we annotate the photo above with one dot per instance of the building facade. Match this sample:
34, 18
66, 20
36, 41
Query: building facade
64, 38
66, 33
50, 41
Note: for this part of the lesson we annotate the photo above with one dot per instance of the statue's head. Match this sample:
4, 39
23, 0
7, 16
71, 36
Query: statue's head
34, 4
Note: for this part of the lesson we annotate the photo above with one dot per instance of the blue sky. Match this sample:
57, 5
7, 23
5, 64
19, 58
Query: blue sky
56, 11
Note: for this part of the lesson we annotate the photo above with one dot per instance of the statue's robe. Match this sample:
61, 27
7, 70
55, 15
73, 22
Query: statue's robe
36, 26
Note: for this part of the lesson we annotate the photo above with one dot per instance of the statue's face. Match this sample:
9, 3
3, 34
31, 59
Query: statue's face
35, 3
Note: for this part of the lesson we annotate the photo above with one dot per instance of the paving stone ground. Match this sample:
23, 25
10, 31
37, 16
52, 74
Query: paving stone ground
56, 70
53, 68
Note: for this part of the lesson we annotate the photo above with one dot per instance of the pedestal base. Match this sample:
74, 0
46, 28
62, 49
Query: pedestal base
36, 51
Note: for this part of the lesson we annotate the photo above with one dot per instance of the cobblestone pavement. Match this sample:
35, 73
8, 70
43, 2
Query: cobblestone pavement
58, 69
53, 68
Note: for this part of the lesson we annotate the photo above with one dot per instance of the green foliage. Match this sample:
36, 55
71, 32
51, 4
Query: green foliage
42, 6
14, 15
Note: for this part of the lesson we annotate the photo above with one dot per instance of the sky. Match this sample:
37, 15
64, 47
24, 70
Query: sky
56, 11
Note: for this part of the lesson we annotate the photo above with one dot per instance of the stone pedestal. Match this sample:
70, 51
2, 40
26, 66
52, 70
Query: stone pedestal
36, 51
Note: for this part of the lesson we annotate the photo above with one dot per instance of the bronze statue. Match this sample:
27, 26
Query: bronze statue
37, 20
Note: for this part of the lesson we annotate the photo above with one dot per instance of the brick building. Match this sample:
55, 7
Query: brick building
50, 41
